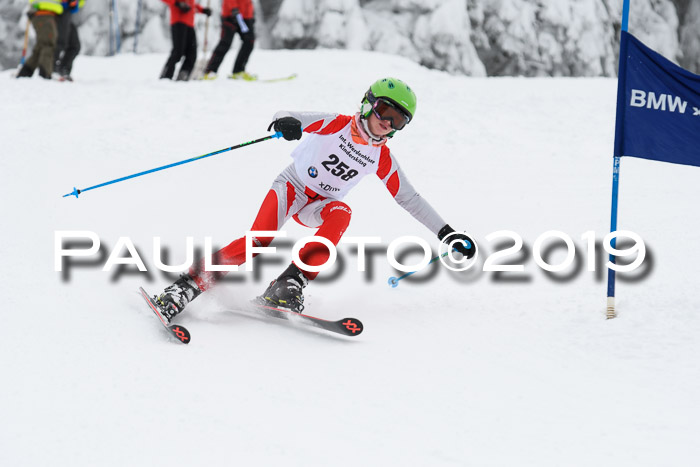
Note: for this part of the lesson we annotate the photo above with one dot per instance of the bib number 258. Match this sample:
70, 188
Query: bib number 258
338, 169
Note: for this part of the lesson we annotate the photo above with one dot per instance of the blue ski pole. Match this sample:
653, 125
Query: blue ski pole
394, 281
76, 192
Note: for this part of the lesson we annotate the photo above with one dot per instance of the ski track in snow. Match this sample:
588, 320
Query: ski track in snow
473, 370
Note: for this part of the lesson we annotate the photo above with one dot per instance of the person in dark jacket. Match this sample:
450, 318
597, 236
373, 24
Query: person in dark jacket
184, 38
237, 16
68, 44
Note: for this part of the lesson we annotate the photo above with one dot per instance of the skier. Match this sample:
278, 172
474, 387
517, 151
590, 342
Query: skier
68, 43
184, 37
339, 151
43, 16
237, 16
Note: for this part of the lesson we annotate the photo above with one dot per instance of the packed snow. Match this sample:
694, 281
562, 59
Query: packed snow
476, 368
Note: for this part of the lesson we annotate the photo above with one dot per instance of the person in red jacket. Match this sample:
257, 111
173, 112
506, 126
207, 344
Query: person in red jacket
237, 16
184, 38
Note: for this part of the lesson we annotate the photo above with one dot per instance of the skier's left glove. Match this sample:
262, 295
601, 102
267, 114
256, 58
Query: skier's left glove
290, 127
206, 11
467, 246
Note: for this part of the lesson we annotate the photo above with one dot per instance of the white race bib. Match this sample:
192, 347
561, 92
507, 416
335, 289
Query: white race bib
331, 165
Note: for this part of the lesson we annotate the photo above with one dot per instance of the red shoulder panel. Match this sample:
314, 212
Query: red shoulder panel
384, 166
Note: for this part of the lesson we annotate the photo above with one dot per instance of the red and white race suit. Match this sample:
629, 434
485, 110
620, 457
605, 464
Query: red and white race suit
328, 163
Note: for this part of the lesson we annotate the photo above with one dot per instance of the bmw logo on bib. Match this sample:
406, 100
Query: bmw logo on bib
313, 173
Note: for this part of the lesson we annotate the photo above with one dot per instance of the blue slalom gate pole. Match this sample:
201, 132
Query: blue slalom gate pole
76, 192
625, 14
618, 152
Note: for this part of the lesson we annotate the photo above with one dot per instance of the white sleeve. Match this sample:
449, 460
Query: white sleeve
308, 119
408, 198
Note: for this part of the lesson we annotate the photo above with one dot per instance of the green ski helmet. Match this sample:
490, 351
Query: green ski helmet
394, 91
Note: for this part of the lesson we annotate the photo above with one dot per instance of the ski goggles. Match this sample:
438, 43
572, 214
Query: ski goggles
387, 110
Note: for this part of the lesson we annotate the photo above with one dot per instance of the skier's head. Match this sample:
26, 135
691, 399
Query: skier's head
391, 101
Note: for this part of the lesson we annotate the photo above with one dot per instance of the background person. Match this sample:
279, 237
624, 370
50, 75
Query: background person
184, 38
43, 16
237, 16
68, 43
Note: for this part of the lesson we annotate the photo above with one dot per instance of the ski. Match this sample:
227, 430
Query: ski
277, 80
175, 330
266, 80
346, 326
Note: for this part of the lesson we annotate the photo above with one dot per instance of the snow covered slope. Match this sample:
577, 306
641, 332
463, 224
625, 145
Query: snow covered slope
480, 369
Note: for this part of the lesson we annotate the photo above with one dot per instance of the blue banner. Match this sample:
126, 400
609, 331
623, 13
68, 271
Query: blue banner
658, 108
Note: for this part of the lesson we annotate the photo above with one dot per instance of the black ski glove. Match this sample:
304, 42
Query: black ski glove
206, 11
467, 246
290, 127
184, 7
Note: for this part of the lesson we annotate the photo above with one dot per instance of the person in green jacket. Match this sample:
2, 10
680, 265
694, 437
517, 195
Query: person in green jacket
43, 15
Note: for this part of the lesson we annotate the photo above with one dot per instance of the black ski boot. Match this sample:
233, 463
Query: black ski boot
183, 75
286, 290
176, 296
25, 72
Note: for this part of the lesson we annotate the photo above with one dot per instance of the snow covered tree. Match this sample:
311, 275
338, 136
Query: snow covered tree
472, 37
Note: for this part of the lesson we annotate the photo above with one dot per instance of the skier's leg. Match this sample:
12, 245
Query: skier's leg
235, 252
33, 60
176, 296
45, 27
227, 32
282, 201
48, 37
190, 55
178, 32
71, 51
246, 47
332, 218
63, 22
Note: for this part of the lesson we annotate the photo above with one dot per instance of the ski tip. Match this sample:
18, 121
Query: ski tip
353, 326
180, 333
